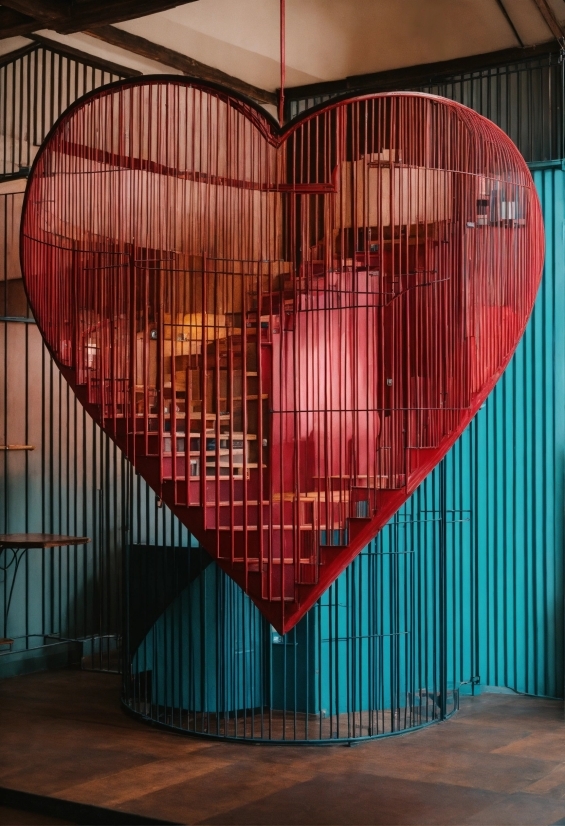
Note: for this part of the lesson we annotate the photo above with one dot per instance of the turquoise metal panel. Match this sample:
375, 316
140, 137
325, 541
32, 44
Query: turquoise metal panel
518, 465
502, 511
504, 500
181, 650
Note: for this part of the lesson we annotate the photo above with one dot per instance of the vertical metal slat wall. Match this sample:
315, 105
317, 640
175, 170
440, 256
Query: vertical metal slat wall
67, 481
514, 451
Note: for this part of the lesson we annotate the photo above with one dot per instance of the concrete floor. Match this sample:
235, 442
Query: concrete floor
500, 760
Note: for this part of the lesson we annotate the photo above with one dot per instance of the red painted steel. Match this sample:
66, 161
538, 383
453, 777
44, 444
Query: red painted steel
284, 331
282, 58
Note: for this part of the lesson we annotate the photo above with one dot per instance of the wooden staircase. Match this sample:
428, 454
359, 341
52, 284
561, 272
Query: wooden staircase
197, 423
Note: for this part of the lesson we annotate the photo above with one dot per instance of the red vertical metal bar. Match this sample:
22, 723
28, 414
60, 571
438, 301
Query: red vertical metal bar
282, 26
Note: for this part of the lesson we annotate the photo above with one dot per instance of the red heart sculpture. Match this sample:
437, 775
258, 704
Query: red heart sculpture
284, 331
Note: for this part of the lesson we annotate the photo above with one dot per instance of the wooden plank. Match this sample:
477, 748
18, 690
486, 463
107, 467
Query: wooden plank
187, 65
47, 11
510, 22
103, 13
551, 20
40, 540
17, 447
14, 23
67, 17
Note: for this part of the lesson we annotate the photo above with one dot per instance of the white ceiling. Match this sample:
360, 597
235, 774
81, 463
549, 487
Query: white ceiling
325, 39
331, 39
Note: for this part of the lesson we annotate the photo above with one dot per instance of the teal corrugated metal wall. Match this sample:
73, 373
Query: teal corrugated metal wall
507, 471
504, 505
503, 510
504, 482
517, 455
504, 500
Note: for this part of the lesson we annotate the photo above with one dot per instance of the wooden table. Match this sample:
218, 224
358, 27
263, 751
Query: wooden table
39, 540
26, 541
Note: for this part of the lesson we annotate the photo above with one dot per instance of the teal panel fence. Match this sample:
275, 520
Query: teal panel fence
516, 455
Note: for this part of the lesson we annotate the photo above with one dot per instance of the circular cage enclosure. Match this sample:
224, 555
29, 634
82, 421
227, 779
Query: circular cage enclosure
373, 657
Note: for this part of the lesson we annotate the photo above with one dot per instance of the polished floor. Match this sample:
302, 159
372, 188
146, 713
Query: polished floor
501, 760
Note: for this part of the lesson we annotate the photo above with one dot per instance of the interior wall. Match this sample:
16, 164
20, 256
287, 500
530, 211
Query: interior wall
517, 450
519, 467
61, 475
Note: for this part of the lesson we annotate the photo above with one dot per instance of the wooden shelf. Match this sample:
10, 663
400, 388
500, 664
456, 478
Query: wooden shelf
211, 477
17, 447
224, 416
210, 434
236, 503
247, 398
238, 464
183, 415
223, 451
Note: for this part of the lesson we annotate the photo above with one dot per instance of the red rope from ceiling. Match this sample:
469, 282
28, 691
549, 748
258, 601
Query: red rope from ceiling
282, 31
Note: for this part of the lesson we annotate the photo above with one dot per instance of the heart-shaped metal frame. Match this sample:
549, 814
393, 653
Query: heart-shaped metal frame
284, 330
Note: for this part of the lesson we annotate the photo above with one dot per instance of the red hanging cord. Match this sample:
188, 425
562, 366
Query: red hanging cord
281, 93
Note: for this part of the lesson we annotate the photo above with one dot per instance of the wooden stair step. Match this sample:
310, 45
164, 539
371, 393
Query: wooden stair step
265, 527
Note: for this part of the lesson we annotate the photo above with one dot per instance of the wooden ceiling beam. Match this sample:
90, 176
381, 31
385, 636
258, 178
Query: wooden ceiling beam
68, 17
43, 11
176, 60
14, 23
107, 12
551, 20
510, 22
